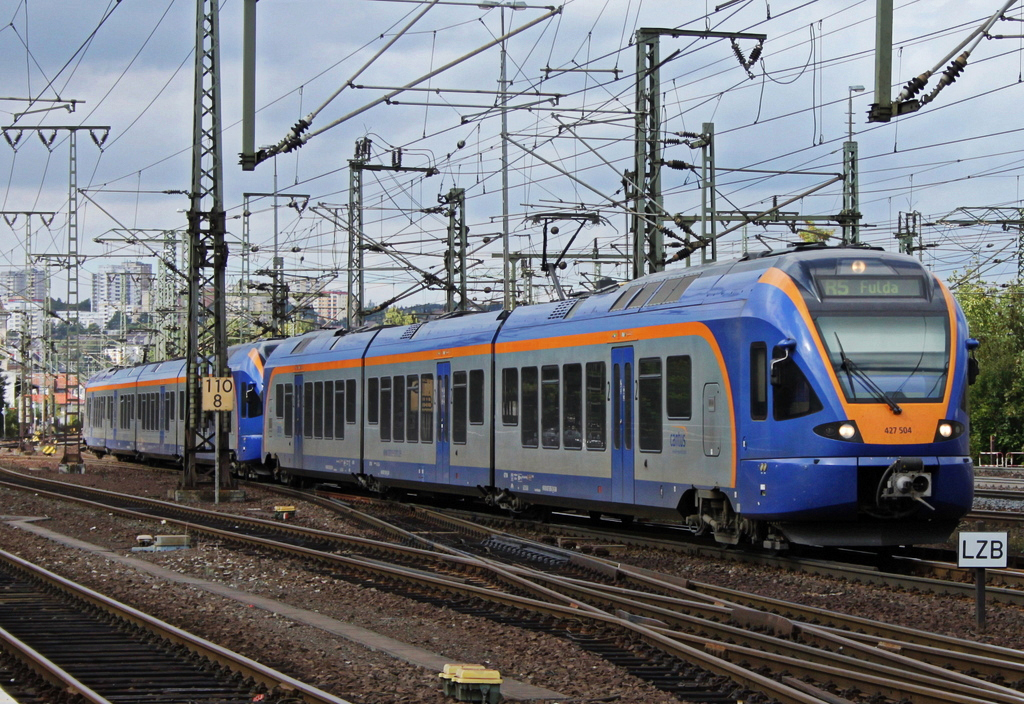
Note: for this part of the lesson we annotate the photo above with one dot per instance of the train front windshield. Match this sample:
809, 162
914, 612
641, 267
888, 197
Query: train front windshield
888, 358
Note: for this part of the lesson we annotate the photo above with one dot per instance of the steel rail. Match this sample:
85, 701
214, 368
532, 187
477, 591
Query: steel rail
268, 677
578, 597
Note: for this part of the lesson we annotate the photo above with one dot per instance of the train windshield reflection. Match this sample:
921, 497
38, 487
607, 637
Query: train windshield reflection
904, 355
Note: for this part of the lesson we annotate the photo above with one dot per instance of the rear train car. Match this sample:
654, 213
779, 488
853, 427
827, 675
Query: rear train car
139, 412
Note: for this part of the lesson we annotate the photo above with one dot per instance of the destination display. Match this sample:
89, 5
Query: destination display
870, 286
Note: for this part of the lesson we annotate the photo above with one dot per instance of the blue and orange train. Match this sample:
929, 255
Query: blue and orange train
812, 395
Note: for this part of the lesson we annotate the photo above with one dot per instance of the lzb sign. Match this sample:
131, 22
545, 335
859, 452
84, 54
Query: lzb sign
982, 550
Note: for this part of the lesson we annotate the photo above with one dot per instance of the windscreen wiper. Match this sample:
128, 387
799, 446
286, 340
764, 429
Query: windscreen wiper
852, 370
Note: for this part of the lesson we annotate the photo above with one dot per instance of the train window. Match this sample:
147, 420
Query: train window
510, 396
758, 381
252, 404
679, 382
426, 408
327, 403
459, 403
549, 407
307, 409
385, 408
372, 401
398, 398
279, 400
412, 408
476, 396
649, 405
168, 409
572, 406
289, 409
596, 413
792, 395
350, 401
154, 411
181, 403
531, 417
339, 410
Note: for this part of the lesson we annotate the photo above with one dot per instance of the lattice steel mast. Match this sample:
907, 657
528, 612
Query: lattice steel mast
207, 349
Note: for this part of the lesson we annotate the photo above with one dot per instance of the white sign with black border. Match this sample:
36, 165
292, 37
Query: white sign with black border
982, 550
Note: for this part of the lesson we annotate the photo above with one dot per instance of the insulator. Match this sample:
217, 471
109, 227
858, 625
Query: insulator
955, 68
754, 55
679, 165
914, 85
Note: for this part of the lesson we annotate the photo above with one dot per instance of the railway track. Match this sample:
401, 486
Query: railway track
59, 638
683, 636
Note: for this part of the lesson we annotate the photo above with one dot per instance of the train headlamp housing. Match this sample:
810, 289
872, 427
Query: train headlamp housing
843, 430
948, 430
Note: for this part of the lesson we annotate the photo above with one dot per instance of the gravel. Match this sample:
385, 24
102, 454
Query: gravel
359, 674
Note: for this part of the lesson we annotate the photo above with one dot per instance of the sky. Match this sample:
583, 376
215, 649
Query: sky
779, 124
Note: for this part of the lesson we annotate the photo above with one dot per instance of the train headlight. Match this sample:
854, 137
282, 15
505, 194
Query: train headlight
845, 430
948, 430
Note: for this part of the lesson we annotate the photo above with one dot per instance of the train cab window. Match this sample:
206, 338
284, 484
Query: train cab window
678, 387
510, 396
412, 408
649, 405
529, 395
398, 399
596, 406
289, 409
459, 407
476, 396
307, 409
252, 404
181, 403
317, 419
372, 401
792, 394
350, 401
572, 406
549, 407
385, 409
339, 410
426, 408
279, 400
758, 381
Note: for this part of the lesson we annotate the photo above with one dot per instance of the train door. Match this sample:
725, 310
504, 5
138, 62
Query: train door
444, 372
622, 424
299, 424
712, 421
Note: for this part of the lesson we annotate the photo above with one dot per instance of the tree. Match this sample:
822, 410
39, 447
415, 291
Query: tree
995, 317
813, 233
396, 316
